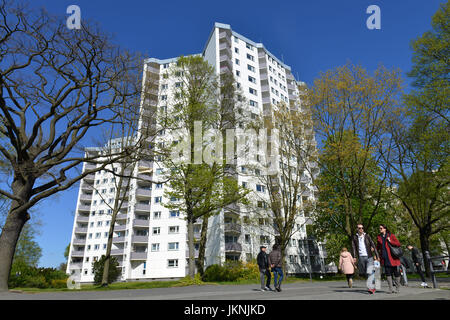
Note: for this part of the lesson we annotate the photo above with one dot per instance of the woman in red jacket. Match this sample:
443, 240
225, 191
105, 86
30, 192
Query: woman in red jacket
390, 263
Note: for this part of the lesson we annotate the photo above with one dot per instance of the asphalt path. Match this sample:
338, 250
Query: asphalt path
329, 290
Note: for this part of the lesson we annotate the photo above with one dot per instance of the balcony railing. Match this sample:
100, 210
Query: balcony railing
80, 230
83, 207
89, 177
119, 239
86, 197
78, 254
138, 256
141, 207
233, 246
79, 241
143, 193
122, 216
117, 252
232, 227
120, 227
82, 219
152, 69
140, 223
139, 239
76, 265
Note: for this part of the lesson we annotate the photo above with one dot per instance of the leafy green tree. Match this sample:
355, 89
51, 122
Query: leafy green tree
113, 270
419, 153
28, 250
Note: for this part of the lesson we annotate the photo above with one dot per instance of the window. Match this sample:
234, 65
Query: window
104, 246
236, 50
156, 231
244, 184
159, 171
164, 86
164, 97
172, 263
159, 185
236, 61
158, 199
250, 57
249, 46
178, 84
174, 229
238, 73
98, 235
173, 246
247, 238
91, 224
253, 103
174, 214
251, 68
99, 223
157, 215
252, 91
155, 247
90, 236
106, 234
251, 79
236, 39
264, 239
260, 188
96, 247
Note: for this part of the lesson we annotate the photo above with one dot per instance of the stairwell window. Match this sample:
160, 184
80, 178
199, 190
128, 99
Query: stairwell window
172, 263
174, 229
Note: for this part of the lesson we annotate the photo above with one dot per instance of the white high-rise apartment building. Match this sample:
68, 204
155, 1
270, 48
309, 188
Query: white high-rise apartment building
150, 241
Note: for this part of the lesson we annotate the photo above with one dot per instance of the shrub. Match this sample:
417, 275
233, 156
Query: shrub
59, 283
26, 276
231, 271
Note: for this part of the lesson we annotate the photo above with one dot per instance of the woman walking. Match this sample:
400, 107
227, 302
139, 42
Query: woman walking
346, 265
391, 264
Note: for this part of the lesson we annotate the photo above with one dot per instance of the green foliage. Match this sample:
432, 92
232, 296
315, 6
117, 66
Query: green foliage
189, 281
114, 270
231, 271
25, 276
28, 250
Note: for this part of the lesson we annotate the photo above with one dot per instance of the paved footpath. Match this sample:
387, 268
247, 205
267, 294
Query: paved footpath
330, 290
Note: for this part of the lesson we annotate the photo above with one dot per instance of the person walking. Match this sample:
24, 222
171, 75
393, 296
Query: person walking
418, 262
276, 265
264, 269
403, 271
363, 249
347, 266
391, 264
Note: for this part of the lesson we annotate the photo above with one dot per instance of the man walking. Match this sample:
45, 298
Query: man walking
263, 264
363, 249
417, 260
276, 265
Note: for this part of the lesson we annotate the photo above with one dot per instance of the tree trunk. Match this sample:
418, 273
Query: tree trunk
190, 226
202, 247
14, 224
425, 246
108, 249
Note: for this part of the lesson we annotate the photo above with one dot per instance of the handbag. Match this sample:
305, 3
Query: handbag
396, 252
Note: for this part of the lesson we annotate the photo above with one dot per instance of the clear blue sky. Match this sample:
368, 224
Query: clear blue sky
311, 36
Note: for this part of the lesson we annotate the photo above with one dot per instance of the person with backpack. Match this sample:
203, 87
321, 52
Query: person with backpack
264, 269
385, 241
418, 262
276, 265
363, 249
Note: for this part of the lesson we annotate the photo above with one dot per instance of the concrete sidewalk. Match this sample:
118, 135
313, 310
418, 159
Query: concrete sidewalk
330, 290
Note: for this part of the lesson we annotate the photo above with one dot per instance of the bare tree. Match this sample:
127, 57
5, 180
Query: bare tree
56, 85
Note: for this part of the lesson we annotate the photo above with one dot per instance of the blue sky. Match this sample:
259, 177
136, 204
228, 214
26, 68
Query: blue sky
310, 36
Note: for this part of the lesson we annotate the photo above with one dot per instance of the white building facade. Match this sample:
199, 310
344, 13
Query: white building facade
150, 241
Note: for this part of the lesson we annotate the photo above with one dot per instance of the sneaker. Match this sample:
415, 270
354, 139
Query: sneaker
268, 289
371, 291
262, 289
278, 289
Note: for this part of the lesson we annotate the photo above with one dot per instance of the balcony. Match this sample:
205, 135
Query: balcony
265, 88
79, 241
266, 100
89, 177
120, 227
86, 197
232, 227
83, 207
138, 256
145, 163
141, 207
141, 223
139, 239
233, 247
225, 69
78, 254
143, 178
117, 252
80, 230
263, 76
124, 205
119, 239
86, 187
76, 265
121, 216
89, 166
263, 65
261, 54
82, 218
152, 69
143, 193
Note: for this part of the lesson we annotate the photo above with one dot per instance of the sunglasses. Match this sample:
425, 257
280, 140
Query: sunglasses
360, 228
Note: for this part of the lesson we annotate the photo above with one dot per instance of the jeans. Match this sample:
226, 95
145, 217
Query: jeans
277, 272
363, 263
262, 273
419, 271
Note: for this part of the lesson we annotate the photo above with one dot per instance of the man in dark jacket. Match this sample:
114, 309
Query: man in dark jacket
263, 264
363, 248
417, 260
276, 265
